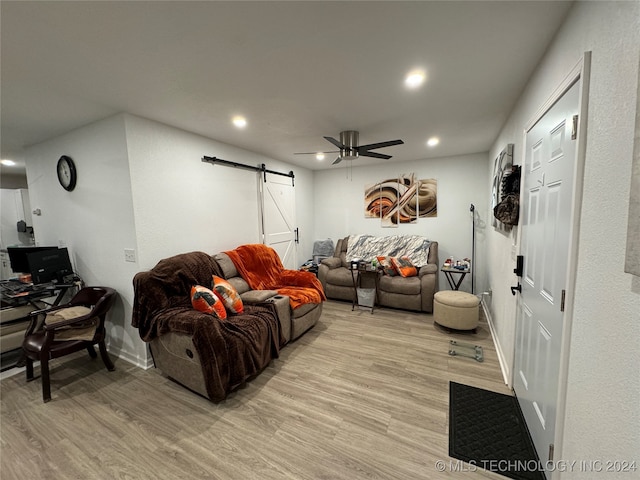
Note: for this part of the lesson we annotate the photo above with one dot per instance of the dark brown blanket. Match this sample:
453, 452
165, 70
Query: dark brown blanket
231, 351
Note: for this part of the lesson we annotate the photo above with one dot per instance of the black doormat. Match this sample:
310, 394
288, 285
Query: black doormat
487, 430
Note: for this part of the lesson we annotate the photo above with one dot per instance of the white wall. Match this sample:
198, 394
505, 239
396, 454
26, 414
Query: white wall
182, 204
339, 205
603, 385
12, 209
95, 221
142, 185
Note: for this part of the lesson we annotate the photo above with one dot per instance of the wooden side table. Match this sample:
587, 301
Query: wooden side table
450, 271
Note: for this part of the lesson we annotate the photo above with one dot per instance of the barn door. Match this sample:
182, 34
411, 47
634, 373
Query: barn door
280, 233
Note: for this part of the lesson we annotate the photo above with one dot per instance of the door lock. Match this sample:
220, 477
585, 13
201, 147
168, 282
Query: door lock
514, 289
519, 265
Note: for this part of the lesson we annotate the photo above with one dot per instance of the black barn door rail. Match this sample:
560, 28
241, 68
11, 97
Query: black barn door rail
261, 168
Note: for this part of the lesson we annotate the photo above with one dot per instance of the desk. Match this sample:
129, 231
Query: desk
16, 307
364, 272
450, 271
15, 294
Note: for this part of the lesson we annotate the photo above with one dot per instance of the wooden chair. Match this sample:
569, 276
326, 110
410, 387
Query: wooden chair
68, 328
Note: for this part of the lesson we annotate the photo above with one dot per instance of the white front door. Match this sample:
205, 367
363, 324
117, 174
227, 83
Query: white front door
546, 195
279, 218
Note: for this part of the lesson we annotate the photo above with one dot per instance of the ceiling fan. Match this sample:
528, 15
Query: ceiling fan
350, 150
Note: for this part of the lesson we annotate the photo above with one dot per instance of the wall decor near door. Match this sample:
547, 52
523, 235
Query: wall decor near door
401, 200
632, 262
501, 168
508, 210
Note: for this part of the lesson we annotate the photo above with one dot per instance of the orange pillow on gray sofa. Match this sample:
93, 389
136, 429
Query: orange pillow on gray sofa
404, 266
229, 295
387, 266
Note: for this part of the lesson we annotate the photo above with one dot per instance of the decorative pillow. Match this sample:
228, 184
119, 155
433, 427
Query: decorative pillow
204, 300
229, 295
387, 266
404, 266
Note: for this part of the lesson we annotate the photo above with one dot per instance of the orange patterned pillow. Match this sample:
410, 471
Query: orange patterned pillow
204, 300
229, 295
387, 266
404, 266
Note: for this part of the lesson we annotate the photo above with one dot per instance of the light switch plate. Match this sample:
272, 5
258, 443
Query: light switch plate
129, 255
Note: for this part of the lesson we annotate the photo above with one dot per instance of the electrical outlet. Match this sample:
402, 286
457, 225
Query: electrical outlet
129, 255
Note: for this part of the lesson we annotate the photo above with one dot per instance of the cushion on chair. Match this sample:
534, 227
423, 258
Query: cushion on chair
83, 331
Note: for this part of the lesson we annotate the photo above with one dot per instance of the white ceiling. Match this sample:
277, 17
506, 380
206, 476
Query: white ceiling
297, 70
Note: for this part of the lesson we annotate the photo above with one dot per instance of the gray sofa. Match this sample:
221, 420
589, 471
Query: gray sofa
410, 293
293, 322
207, 356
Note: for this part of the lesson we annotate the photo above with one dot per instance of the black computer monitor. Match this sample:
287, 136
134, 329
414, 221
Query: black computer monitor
49, 265
18, 257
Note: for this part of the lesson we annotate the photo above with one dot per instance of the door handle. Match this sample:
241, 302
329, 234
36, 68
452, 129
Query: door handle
514, 289
297, 238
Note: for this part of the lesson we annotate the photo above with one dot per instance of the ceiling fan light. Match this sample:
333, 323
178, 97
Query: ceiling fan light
433, 141
319, 156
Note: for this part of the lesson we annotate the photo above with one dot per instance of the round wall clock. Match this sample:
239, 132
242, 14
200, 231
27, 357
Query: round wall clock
67, 175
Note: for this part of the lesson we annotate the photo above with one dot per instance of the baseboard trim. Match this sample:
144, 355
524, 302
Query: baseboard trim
501, 358
144, 363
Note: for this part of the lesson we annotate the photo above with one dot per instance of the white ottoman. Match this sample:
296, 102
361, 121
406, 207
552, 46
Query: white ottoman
456, 310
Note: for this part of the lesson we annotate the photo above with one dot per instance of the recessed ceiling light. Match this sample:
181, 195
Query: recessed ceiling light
319, 156
8, 163
433, 141
414, 78
239, 121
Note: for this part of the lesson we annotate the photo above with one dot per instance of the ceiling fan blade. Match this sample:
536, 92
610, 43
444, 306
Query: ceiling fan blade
375, 155
315, 153
335, 142
373, 146
337, 160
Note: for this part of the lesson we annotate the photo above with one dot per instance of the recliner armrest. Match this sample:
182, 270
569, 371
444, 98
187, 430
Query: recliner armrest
257, 296
332, 262
426, 269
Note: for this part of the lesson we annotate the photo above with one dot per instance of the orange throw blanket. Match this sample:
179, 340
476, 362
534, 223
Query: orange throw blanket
262, 269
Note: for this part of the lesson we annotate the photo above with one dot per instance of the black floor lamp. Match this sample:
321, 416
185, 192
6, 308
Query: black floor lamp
472, 209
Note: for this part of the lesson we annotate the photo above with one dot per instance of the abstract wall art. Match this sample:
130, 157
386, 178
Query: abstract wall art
401, 200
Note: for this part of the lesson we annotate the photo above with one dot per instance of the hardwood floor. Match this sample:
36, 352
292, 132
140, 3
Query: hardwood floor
358, 396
